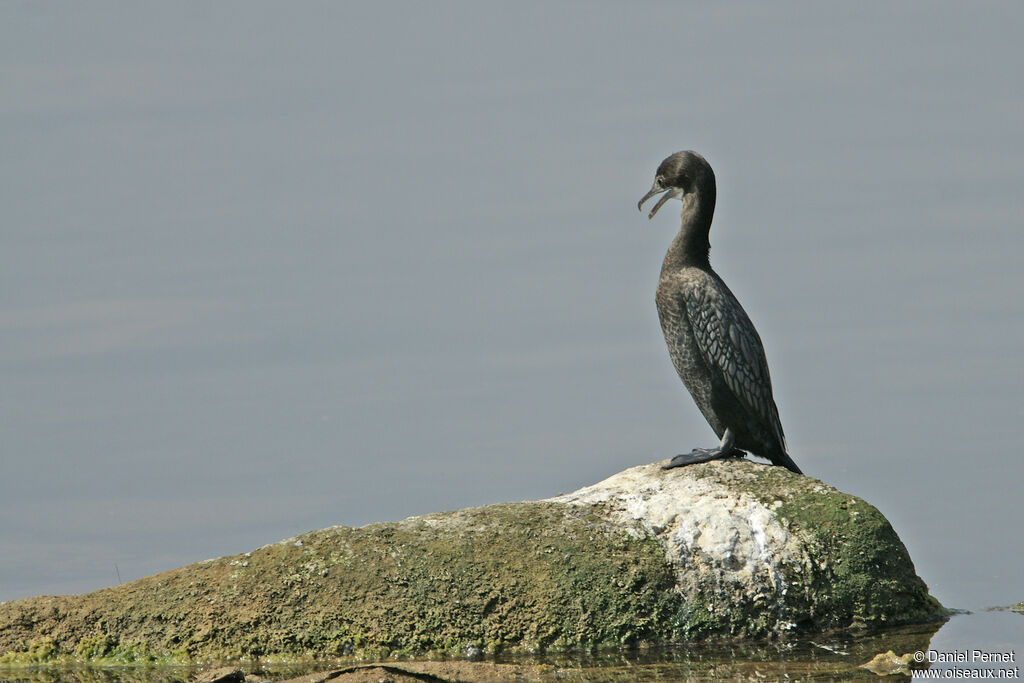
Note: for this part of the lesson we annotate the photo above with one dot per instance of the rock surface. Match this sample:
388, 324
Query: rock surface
227, 674
889, 663
728, 548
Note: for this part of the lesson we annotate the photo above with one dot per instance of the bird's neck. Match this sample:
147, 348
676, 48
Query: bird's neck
691, 247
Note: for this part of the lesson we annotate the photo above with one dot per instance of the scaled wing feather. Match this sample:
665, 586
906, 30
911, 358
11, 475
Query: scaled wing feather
728, 342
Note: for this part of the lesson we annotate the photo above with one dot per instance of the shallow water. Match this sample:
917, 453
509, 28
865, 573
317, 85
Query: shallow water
834, 657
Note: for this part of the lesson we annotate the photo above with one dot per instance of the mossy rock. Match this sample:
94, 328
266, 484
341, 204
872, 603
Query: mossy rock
723, 549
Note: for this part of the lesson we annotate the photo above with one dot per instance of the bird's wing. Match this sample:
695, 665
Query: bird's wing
728, 342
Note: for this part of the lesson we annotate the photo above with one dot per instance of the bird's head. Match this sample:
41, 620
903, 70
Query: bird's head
681, 174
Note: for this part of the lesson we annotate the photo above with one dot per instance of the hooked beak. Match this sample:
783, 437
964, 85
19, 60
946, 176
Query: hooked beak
655, 189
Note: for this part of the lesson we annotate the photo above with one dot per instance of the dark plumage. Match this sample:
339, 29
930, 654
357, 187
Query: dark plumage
711, 341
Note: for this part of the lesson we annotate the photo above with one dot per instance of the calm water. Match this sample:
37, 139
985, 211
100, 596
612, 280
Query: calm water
267, 270
834, 657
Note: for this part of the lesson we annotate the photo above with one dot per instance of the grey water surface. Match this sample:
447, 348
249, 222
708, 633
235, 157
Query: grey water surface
267, 268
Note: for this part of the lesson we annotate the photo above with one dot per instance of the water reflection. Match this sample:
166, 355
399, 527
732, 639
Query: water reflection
837, 656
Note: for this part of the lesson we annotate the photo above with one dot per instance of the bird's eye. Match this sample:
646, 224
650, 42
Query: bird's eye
660, 180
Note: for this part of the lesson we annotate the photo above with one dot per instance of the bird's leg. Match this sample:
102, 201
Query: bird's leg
724, 450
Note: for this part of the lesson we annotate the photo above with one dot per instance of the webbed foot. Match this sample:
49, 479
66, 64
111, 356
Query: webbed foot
703, 455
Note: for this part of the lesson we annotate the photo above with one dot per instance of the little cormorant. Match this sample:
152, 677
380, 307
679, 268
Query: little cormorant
711, 341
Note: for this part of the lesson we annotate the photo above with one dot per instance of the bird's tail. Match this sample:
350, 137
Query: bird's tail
782, 459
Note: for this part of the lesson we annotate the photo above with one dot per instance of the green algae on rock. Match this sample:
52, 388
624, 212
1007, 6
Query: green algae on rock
728, 548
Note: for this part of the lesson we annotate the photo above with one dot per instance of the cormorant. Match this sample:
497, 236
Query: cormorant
711, 341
